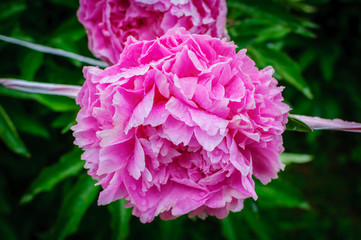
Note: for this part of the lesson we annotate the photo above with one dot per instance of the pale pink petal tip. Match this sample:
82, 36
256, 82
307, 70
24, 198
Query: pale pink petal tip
317, 123
180, 125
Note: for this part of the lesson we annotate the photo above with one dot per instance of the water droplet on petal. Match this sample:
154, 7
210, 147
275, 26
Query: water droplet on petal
133, 187
144, 202
142, 194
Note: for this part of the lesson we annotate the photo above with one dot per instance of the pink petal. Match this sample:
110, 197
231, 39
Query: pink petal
157, 116
209, 122
136, 165
141, 111
205, 140
328, 124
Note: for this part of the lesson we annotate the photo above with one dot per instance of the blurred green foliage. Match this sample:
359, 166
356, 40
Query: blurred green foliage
315, 48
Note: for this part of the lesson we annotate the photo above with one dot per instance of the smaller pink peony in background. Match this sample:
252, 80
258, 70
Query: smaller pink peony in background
179, 125
109, 22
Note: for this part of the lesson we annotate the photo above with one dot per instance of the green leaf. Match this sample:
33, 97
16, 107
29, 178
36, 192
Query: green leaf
280, 193
329, 57
26, 122
272, 32
30, 64
227, 229
247, 224
69, 3
120, 217
261, 31
9, 9
283, 64
5, 207
272, 12
69, 165
303, 7
32, 126
255, 222
6, 230
288, 158
55, 103
74, 206
173, 229
307, 57
69, 31
294, 124
10, 136
17, 94
65, 121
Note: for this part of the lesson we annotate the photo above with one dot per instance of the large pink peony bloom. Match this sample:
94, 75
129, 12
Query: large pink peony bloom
180, 125
110, 22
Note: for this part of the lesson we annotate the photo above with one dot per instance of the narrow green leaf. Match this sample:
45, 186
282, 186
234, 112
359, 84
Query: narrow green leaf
25, 122
65, 121
57, 103
328, 59
173, 229
69, 165
5, 207
288, 158
120, 217
6, 230
11, 8
72, 4
254, 222
17, 94
32, 126
54, 103
246, 224
262, 31
272, 32
272, 12
307, 57
227, 229
30, 64
74, 206
283, 64
249, 27
10, 136
68, 127
304, 7
294, 124
280, 193
68, 33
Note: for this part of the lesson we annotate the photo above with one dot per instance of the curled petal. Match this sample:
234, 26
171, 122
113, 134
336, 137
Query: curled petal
317, 123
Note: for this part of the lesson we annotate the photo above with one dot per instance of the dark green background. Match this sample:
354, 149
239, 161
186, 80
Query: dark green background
313, 42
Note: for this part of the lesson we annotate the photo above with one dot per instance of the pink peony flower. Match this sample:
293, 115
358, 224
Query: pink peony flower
180, 125
110, 22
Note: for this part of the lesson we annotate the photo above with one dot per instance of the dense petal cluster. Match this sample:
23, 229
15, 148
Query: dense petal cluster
110, 22
180, 125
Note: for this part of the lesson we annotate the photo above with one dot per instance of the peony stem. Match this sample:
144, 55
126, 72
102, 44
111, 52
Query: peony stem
44, 88
54, 51
317, 123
